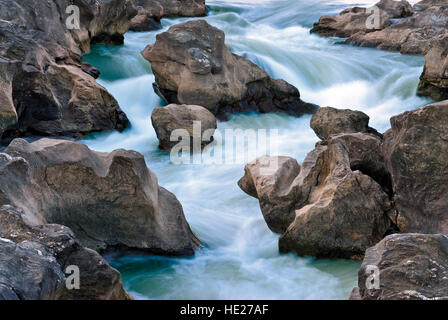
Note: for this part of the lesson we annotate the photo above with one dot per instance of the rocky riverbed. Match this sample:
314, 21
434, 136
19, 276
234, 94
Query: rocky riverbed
373, 189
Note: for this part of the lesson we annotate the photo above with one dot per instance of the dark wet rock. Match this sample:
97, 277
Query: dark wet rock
45, 89
173, 117
434, 79
33, 261
192, 65
109, 200
151, 11
411, 267
416, 154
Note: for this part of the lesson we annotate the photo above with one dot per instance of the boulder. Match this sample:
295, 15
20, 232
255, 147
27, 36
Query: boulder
400, 28
416, 155
109, 200
151, 11
330, 121
45, 89
196, 120
434, 79
335, 205
192, 65
269, 179
410, 267
33, 262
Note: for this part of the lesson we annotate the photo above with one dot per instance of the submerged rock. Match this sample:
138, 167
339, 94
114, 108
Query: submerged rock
109, 200
33, 262
151, 11
192, 65
434, 79
173, 117
410, 267
45, 89
416, 153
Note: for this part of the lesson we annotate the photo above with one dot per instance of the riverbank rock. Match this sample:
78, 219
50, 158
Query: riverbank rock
150, 12
410, 267
416, 154
434, 79
195, 121
33, 262
47, 89
192, 65
109, 200
399, 29
330, 121
336, 205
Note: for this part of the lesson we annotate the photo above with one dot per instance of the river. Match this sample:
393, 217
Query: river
239, 258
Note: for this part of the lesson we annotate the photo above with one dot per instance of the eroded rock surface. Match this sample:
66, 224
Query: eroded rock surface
400, 28
411, 267
336, 205
33, 262
416, 153
151, 11
434, 79
192, 65
109, 200
45, 89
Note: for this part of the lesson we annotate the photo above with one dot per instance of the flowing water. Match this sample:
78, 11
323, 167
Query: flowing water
239, 258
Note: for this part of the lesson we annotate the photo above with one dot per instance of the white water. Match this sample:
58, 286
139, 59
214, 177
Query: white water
240, 258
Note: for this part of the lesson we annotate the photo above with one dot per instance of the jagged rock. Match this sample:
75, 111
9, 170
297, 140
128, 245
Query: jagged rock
269, 180
330, 121
42, 78
411, 267
192, 65
33, 262
151, 11
434, 79
335, 205
399, 29
173, 117
416, 154
109, 200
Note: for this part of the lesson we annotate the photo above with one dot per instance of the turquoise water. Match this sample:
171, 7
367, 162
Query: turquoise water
239, 258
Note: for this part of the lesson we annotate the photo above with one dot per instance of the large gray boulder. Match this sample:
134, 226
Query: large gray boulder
192, 65
109, 200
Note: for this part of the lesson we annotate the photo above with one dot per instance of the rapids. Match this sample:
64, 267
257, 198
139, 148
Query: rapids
239, 258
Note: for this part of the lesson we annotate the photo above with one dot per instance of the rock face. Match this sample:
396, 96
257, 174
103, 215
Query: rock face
109, 200
411, 267
151, 11
192, 65
330, 121
336, 205
399, 28
196, 120
416, 153
45, 89
434, 79
33, 261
